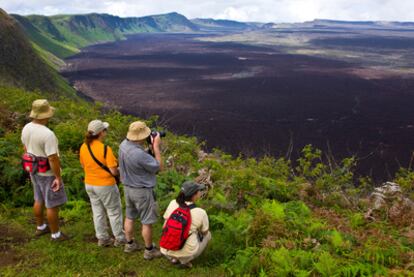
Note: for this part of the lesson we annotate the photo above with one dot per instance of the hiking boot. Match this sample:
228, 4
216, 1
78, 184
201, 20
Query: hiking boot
105, 242
131, 247
45, 231
151, 254
119, 243
62, 237
185, 266
173, 260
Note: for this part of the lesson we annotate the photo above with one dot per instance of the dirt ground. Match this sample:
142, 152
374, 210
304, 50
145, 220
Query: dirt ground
255, 100
10, 237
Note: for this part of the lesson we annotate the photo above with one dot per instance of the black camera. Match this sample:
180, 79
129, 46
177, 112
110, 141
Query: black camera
154, 134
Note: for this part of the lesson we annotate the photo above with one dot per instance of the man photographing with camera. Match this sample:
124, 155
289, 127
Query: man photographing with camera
138, 174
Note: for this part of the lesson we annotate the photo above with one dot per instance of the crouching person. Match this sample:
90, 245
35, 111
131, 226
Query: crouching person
138, 174
183, 209
100, 166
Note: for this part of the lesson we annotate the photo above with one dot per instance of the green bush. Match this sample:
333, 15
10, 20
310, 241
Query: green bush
326, 265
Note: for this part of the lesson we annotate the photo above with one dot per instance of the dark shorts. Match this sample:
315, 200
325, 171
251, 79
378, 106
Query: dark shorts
42, 189
140, 202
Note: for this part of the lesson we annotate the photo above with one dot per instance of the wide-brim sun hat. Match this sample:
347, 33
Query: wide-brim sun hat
96, 126
41, 109
138, 130
189, 188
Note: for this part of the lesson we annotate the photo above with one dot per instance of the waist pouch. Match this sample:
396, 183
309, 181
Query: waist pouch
33, 164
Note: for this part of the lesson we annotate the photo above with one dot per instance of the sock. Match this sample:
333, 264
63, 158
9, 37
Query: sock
56, 235
130, 242
149, 248
42, 227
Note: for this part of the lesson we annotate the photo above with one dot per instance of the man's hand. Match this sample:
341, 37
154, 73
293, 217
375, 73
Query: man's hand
156, 141
57, 184
55, 166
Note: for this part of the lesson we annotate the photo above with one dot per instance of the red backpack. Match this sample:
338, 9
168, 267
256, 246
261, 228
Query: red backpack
177, 228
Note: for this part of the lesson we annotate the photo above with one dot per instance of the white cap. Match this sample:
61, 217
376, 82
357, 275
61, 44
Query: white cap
96, 126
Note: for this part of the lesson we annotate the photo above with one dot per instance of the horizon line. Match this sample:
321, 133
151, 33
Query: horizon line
263, 22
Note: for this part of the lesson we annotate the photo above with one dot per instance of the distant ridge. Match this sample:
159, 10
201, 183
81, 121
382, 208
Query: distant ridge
63, 35
371, 24
210, 23
330, 23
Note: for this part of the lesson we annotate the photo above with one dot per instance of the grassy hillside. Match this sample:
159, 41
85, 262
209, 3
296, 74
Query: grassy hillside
267, 218
174, 22
42, 32
21, 65
64, 35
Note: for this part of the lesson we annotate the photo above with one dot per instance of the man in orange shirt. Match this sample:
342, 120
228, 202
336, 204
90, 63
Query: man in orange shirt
100, 166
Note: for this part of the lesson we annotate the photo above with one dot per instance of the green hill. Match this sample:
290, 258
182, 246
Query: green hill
64, 35
43, 33
21, 65
57, 37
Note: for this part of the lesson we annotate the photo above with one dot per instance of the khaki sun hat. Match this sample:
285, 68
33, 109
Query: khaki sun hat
96, 126
138, 130
41, 109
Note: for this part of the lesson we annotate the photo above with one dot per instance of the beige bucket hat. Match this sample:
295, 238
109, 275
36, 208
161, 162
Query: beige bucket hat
41, 109
96, 126
138, 130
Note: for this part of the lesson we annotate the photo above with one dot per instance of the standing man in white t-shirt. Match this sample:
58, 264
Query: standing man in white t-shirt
48, 187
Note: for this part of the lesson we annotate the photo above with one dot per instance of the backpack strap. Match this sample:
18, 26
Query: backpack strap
192, 206
104, 167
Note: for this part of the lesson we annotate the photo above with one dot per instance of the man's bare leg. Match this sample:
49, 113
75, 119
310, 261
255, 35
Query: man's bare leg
38, 213
53, 219
129, 229
147, 235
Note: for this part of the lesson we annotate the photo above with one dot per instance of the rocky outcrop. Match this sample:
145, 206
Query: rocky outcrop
389, 199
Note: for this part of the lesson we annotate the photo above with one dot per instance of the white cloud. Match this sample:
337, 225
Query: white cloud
239, 14
242, 10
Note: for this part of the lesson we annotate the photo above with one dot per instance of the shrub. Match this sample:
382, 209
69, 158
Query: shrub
405, 178
228, 230
246, 261
70, 134
325, 264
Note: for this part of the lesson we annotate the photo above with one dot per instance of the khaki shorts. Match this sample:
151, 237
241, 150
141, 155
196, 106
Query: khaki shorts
140, 202
42, 189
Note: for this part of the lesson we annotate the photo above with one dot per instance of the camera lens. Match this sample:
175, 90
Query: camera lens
162, 134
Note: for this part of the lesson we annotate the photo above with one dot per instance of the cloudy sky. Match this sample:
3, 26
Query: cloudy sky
242, 10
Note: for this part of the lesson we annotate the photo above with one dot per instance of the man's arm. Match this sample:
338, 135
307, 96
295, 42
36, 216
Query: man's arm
156, 149
205, 224
114, 171
54, 162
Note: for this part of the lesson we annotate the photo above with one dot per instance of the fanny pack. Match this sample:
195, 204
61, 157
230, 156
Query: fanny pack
33, 164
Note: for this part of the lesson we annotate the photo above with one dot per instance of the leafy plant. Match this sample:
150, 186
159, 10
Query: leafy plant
326, 265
